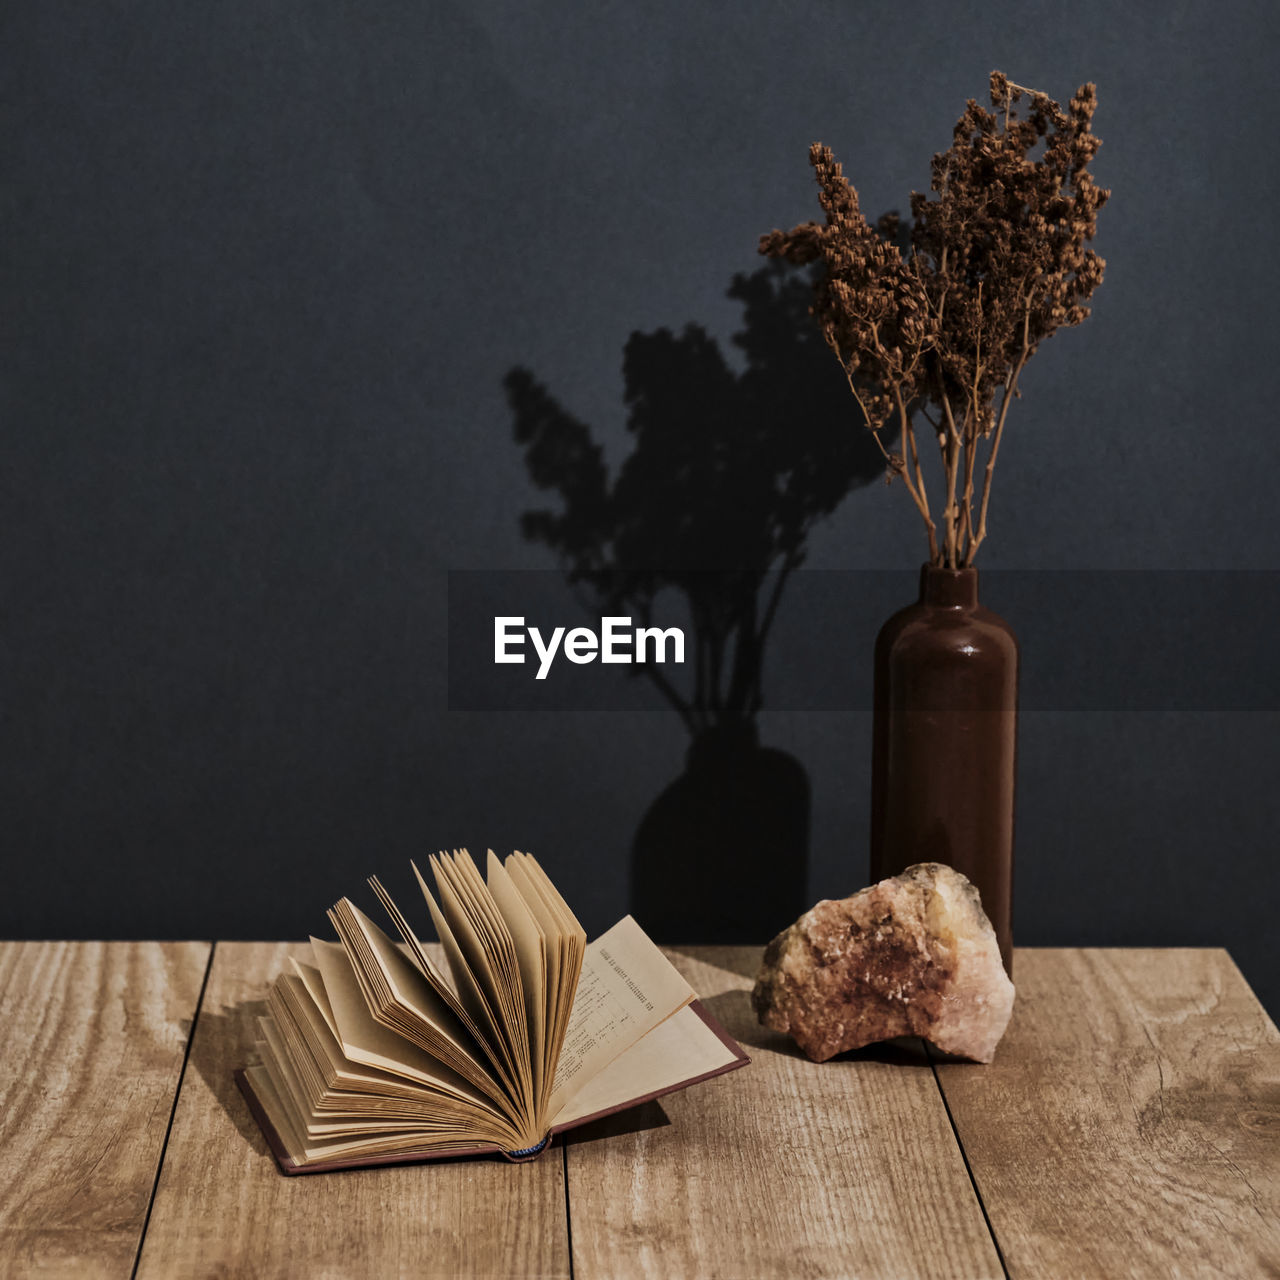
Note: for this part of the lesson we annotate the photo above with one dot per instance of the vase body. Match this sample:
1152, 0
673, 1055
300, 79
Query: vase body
722, 854
944, 741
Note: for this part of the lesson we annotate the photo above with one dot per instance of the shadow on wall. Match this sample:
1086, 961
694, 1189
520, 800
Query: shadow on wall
728, 472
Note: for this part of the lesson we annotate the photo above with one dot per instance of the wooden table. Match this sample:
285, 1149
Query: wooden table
1130, 1126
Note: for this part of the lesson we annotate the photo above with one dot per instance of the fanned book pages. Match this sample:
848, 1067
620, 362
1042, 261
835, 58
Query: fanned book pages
372, 1054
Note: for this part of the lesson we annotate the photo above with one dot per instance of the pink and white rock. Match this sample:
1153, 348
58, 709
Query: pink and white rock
914, 955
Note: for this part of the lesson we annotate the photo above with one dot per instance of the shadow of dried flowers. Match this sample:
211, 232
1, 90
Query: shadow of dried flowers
729, 471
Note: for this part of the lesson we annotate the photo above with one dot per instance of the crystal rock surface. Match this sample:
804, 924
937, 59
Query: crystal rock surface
914, 955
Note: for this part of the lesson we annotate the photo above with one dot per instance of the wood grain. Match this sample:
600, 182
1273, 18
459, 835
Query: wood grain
787, 1167
223, 1209
1130, 1124
94, 1035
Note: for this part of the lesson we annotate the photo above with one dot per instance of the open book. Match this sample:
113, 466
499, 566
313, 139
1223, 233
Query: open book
371, 1055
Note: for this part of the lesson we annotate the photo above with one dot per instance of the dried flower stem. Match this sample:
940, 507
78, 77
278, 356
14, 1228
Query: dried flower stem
1010, 391
922, 495
898, 465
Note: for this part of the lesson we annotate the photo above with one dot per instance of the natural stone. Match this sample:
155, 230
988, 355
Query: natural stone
914, 955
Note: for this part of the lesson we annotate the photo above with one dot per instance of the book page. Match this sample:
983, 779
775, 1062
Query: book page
472, 997
497, 943
401, 997
551, 929
530, 944
418, 951
679, 1050
465, 943
552, 895
565, 942
367, 1042
314, 984
626, 989
408, 986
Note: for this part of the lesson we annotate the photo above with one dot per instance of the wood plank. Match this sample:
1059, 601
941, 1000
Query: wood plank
222, 1208
787, 1167
1130, 1124
94, 1035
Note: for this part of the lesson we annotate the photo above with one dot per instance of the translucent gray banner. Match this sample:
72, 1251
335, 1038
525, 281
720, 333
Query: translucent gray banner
1199, 640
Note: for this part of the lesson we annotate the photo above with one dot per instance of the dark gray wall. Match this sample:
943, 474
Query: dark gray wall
265, 265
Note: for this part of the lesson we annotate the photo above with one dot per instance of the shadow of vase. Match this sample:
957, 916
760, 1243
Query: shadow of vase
722, 854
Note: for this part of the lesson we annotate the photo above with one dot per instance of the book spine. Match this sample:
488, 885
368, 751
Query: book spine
525, 1154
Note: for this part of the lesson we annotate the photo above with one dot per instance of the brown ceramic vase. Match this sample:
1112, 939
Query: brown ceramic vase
944, 739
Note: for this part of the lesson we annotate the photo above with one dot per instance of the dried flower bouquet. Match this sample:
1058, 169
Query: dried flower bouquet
941, 325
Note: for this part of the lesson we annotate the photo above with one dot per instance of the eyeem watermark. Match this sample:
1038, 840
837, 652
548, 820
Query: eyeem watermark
617, 641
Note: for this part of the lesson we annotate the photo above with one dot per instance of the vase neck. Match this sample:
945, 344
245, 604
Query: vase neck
948, 588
